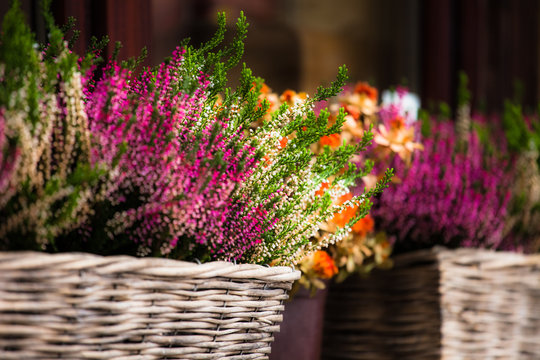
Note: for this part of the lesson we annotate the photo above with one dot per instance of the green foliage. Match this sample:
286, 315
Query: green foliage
51, 178
335, 87
70, 26
519, 90
518, 134
486, 138
19, 61
213, 57
425, 120
445, 112
133, 63
463, 95
92, 56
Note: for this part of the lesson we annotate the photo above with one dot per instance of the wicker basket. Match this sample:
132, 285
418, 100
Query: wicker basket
81, 306
438, 304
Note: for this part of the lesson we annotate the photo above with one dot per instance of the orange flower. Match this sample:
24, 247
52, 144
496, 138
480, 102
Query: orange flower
364, 226
323, 265
267, 94
363, 100
287, 95
325, 185
343, 198
364, 88
341, 219
360, 103
266, 160
218, 105
354, 111
399, 139
283, 142
264, 89
397, 123
333, 140
291, 97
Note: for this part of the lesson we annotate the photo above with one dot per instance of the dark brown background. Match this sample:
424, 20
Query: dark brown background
299, 43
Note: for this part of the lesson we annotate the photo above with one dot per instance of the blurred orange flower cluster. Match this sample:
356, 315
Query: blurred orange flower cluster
342, 218
364, 226
316, 268
333, 140
323, 265
362, 248
363, 243
394, 135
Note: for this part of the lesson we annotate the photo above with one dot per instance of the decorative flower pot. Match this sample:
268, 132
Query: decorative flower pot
86, 306
300, 333
438, 304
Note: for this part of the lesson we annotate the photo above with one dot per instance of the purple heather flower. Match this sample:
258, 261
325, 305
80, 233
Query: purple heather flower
446, 196
180, 164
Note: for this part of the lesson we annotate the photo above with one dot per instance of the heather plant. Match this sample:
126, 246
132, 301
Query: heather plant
47, 179
168, 162
518, 141
522, 134
180, 166
449, 195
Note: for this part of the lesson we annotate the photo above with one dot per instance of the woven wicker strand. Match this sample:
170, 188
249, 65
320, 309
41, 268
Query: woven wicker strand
438, 304
82, 306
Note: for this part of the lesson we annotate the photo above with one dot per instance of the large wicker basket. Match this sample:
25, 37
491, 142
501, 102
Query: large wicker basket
438, 304
81, 306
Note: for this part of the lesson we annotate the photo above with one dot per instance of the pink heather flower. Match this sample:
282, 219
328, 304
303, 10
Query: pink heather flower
180, 169
9, 155
107, 108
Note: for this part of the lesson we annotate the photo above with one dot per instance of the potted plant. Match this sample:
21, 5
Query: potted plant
449, 294
164, 164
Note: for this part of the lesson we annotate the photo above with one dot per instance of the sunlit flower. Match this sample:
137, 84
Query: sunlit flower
333, 140
352, 130
369, 181
323, 265
365, 89
363, 100
342, 218
354, 251
291, 97
364, 225
325, 185
272, 99
398, 138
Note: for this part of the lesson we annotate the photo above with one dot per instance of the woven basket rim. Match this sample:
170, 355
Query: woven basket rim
485, 258
116, 264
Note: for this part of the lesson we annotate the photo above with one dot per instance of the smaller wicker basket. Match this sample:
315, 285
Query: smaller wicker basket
438, 304
82, 306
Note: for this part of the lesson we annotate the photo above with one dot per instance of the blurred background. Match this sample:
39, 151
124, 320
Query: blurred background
299, 44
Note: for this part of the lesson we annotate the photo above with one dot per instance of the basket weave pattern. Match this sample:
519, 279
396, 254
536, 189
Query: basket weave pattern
438, 304
82, 306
